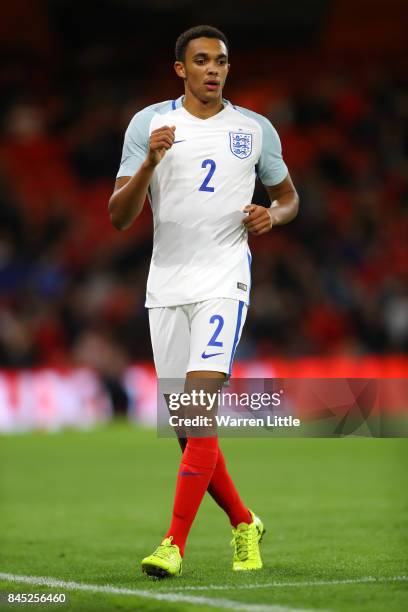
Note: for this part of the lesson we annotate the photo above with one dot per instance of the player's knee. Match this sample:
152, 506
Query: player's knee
205, 374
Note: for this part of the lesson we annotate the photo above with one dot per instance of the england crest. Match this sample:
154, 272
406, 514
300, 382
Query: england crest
240, 144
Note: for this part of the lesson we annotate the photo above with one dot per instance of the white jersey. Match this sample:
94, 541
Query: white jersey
197, 194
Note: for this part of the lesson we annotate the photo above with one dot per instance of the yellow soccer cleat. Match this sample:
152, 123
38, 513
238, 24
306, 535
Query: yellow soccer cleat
246, 539
165, 561
259, 526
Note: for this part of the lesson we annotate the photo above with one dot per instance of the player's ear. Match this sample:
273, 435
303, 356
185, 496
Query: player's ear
180, 70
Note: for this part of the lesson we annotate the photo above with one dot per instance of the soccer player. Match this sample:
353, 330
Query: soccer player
196, 158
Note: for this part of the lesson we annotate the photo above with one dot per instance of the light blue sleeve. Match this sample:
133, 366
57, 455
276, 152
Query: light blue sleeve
136, 143
271, 168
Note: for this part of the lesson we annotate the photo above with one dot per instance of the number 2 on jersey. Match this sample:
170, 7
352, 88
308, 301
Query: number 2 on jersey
204, 186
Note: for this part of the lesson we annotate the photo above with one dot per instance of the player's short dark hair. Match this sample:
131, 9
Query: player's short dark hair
200, 31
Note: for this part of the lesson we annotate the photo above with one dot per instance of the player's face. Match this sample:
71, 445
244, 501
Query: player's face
205, 68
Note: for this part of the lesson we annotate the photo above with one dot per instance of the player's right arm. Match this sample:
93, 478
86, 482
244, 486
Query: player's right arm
129, 194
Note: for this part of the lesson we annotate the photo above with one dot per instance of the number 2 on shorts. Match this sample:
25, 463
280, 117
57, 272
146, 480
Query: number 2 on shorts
220, 320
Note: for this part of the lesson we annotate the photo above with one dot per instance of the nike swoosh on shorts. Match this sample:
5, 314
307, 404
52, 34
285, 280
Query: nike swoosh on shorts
204, 356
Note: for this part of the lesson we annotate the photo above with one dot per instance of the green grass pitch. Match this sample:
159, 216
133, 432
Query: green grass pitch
87, 506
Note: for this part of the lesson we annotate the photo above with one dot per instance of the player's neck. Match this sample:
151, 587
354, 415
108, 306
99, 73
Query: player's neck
200, 109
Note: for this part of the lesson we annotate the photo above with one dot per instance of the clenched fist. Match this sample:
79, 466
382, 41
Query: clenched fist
259, 220
161, 140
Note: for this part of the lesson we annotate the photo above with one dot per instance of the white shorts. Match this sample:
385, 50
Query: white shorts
196, 337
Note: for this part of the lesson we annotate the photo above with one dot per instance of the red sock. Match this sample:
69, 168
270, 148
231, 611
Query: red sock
196, 468
223, 490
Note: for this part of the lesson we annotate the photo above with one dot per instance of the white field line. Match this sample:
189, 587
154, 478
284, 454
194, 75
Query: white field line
311, 583
227, 604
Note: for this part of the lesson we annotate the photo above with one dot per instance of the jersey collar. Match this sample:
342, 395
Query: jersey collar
178, 103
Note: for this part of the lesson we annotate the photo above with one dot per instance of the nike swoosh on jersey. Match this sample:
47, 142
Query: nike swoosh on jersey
205, 356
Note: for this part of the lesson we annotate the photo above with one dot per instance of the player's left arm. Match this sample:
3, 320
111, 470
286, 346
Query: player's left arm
284, 208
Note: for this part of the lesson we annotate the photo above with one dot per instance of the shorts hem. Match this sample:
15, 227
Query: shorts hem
207, 367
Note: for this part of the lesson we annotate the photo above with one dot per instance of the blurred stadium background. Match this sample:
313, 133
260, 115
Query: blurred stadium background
330, 291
